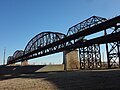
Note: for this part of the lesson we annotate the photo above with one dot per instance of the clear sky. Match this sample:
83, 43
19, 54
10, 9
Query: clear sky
21, 20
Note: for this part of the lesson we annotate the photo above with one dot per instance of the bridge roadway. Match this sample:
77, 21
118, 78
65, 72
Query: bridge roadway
73, 42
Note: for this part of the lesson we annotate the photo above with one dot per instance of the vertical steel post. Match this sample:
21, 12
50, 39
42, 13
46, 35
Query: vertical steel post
108, 59
100, 56
118, 47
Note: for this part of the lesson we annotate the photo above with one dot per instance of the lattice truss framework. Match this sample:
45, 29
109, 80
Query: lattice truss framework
90, 22
113, 49
41, 40
90, 57
17, 53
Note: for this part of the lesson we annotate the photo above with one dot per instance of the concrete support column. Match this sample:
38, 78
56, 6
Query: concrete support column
70, 60
24, 63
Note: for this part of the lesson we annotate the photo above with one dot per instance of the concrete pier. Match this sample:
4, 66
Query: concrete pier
70, 60
24, 63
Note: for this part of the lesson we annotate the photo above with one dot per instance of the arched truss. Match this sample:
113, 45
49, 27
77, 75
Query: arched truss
18, 53
9, 59
41, 40
92, 21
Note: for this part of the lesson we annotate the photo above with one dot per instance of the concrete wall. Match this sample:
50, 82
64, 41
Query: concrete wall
30, 69
70, 60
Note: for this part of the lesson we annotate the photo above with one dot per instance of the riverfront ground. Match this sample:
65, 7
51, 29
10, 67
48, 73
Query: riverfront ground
108, 79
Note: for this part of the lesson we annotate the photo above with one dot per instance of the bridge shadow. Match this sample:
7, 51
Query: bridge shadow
30, 71
19, 69
78, 80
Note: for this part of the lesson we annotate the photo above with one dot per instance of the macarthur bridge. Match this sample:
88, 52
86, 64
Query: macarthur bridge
46, 43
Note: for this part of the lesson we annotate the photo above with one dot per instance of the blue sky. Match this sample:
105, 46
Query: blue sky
21, 20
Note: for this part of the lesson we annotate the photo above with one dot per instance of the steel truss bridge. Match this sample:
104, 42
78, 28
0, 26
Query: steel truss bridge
47, 43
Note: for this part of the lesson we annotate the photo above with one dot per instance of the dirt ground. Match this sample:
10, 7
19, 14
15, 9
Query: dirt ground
70, 80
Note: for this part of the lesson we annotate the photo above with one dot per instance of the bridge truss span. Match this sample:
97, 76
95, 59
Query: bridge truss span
41, 40
90, 22
47, 43
17, 54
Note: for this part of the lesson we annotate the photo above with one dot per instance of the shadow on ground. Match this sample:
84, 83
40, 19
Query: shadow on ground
19, 69
75, 80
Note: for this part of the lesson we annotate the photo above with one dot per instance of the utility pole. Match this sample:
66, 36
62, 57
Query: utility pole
4, 56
